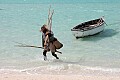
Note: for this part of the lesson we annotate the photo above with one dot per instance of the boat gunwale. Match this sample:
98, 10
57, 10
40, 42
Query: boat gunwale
83, 29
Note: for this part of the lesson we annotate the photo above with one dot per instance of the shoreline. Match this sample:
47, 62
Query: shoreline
39, 71
15, 75
54, 77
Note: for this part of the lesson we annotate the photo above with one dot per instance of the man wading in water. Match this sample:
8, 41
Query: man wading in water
50, 43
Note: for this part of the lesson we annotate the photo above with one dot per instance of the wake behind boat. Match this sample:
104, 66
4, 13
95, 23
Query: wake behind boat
88, 28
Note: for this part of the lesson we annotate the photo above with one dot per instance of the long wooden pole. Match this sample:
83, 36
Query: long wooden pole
49, 16
51, 20
35, 47
25, 45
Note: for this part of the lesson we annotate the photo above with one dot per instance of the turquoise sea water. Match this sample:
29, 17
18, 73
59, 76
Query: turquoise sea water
95, 54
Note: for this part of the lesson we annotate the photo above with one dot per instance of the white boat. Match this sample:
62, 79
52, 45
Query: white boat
88, 28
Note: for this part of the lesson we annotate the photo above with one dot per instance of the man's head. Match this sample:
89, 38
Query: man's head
44, 28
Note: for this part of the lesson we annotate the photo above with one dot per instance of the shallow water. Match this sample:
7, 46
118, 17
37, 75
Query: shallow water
21, 23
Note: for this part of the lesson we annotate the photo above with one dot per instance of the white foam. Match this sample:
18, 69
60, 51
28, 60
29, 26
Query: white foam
103, 69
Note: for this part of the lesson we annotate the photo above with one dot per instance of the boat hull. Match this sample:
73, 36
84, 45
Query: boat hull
80, 33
